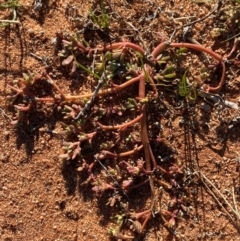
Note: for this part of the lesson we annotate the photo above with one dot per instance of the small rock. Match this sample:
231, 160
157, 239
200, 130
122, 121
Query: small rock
4, 158
235, 121
181, 122
206, 107
6, 134
218, 164
30, 32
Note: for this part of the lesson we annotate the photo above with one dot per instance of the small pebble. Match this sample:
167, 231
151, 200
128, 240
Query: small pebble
206, 107
30, 32
6, 134
4, 158
238, 160
235, 122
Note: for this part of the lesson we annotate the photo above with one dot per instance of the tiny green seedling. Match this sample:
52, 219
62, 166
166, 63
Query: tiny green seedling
10, 4
100, 19
185, 90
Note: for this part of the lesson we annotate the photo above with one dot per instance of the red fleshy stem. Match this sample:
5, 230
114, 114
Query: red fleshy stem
123, 45
159, 49
117, 127
198, 48
216, 56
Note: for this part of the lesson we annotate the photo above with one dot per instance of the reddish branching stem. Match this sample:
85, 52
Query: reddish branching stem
117, 127
137, 216
144, 136
23, 108
117, 88
215, 55
71, 98
234, 48
159, 49
135, 170
199, 48
128, 153
107, 154
208, 88
50, 81
123, 45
